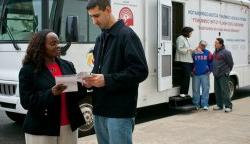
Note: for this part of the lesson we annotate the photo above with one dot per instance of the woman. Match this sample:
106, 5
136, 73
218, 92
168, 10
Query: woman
184, 57
53, 116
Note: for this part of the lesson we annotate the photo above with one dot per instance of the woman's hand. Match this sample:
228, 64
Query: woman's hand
58, 89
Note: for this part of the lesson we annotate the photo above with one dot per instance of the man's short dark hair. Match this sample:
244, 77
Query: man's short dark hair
102, 4
221, 41
186, 30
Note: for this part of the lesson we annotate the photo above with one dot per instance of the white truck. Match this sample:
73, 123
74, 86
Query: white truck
157, 22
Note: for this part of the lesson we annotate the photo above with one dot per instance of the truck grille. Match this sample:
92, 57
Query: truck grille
7, 89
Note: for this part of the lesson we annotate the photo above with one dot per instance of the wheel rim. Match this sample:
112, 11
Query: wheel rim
231, 89
86, 110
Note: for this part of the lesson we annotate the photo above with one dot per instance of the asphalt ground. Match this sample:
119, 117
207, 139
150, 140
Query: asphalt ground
195, 127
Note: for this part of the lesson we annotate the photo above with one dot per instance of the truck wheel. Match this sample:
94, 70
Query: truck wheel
18, 118
88, 127
232, 87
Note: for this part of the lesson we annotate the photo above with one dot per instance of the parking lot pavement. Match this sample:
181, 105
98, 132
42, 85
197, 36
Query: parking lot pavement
196, 127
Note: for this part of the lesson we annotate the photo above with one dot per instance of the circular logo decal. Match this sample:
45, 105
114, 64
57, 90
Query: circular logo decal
127, 16
90, 57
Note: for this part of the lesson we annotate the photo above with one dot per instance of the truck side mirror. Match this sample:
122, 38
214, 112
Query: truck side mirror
71, 33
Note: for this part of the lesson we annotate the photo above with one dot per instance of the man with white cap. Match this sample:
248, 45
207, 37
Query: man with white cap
202, 67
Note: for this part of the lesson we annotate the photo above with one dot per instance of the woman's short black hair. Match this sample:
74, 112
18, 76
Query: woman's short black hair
186, 30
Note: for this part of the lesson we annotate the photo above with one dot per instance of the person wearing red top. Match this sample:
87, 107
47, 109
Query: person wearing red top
55, 71
53, 116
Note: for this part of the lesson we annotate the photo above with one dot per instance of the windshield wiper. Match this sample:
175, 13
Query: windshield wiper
10, 35
2, 22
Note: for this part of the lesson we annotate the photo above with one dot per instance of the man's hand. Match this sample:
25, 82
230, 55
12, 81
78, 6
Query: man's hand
97, 80
85, 84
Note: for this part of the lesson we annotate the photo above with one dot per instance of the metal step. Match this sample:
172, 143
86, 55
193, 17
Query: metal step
178, 98
185, 108
181, 103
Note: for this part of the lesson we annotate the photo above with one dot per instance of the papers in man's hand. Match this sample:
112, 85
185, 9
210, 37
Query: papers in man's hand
83, 75
69, 80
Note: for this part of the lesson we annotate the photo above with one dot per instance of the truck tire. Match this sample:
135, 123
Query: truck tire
88, 127
232, 87
18, 118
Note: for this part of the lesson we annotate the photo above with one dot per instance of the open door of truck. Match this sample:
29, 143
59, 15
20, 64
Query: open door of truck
164, 45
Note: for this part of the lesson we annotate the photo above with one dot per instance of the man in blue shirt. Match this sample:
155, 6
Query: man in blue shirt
202, 67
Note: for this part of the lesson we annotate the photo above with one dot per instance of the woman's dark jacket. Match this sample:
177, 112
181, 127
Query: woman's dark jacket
43, 117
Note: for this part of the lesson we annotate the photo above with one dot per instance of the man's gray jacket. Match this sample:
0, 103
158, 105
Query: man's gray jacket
222, 62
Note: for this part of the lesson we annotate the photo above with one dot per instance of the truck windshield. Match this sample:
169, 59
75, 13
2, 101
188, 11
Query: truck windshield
22, 18
87, 30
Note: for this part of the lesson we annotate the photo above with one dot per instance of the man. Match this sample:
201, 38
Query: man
119, 66
201, 70
222, 65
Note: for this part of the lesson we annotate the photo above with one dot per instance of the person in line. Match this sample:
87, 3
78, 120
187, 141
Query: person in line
53, 116
202, 68
222, 66
119, 66
184, 57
